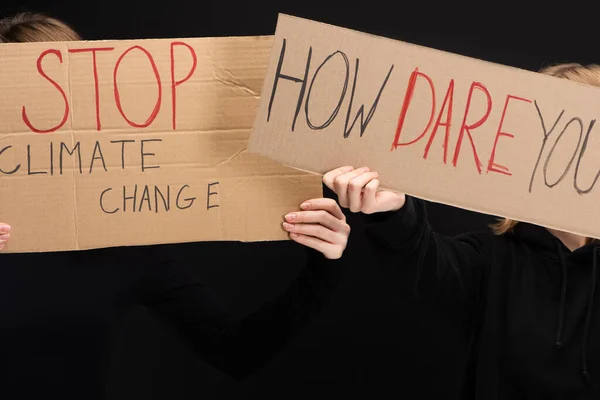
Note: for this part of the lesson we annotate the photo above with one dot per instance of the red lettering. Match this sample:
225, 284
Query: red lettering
58, 54
491, 165
95, 71
174, 83
118, 98
410, 89
467, 128
447, 100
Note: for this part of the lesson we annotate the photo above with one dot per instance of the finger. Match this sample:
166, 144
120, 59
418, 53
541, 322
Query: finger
340, 183
4, 238
314, 230
329, 177
370, 196
355, 190
321, 217
329, 205
327, 249
4, 228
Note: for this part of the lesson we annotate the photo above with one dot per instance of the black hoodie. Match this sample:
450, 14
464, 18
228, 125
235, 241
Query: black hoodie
527, 303
58, 310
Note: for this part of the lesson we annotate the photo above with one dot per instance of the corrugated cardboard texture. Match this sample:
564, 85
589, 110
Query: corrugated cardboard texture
440, 126
164, 121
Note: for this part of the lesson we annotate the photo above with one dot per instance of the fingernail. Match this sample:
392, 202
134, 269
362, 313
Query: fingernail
290, 217
348, 168
365, 169
305, 206
6, 236
4, 228
287, 226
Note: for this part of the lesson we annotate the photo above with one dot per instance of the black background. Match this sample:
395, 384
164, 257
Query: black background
370, 341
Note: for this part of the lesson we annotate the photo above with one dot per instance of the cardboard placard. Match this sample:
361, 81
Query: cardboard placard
112, 143
439, 126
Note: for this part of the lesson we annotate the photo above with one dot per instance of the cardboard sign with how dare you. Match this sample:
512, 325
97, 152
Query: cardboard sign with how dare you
111, 143
439, 126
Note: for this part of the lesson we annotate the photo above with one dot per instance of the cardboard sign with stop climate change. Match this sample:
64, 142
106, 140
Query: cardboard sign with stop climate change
136, 142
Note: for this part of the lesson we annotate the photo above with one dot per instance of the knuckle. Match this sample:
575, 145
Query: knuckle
321, 215
356, 208
338, 181
320, 230
297, 228
298, 237
305, 228
355, 185
368, 209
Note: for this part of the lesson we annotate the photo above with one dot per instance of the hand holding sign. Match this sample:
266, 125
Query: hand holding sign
321, 226
358, 190
4, 234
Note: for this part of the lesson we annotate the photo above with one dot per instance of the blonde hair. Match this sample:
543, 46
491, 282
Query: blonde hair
35, 27
586, 74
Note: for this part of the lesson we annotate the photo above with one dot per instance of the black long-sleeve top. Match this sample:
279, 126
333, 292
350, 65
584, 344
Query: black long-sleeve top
57, 311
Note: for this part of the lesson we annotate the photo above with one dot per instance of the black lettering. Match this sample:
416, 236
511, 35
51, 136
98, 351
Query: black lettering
102, 204
94, 157
583, 148
552, 151
361, 110
63, 146
125, 198
344, 89
148, 154
51, 158
14, 170
122, 150
167, 203
279, 75
546, 136
208, 204
146, 197
29, 171
189, 200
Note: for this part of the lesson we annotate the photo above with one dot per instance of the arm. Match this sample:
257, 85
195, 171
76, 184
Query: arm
448, 268
239, 347
447, 271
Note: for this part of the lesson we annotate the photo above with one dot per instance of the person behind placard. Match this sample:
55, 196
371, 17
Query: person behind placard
526, 297
56, 309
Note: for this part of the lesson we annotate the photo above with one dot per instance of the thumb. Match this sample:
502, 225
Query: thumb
390, 201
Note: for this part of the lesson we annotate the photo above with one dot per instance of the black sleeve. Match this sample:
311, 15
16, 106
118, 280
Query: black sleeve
447, 271
239, 347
